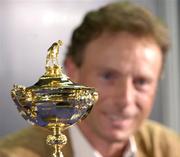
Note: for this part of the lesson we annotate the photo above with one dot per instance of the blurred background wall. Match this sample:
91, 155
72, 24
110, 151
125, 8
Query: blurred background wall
29, 27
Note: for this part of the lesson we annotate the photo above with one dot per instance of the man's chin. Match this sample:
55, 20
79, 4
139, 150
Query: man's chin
119, 139
120, 135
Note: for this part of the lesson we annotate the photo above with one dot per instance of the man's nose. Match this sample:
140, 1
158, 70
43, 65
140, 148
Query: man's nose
125, 92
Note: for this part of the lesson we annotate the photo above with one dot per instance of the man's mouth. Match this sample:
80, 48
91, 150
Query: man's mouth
118, 120
119, 116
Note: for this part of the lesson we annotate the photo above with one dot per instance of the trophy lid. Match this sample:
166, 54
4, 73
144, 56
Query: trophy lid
54, 77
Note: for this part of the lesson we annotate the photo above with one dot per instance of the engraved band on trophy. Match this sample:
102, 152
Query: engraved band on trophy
54, 102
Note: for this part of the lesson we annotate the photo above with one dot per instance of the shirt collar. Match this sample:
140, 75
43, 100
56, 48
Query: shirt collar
131, 149
81, 146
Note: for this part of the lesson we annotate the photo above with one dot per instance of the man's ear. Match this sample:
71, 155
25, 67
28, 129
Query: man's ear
71, 69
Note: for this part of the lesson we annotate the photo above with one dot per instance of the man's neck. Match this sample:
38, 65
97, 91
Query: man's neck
104, 147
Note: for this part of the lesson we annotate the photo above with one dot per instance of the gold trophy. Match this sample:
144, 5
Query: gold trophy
54, 102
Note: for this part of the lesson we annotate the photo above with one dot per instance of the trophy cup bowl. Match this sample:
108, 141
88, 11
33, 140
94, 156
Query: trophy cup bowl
54, 102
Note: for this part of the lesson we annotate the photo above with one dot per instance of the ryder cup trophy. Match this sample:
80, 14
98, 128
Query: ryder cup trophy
54, 102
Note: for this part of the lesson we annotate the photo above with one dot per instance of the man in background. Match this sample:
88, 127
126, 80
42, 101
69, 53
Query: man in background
120, 50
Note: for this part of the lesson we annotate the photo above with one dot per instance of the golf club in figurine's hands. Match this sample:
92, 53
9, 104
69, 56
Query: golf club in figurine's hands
54, 102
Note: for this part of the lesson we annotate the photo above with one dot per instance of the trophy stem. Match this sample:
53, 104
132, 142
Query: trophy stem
57, 140
57, 151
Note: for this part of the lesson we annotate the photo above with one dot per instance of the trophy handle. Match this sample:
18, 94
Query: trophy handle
57, 140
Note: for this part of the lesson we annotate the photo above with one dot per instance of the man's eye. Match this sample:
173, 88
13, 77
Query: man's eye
141, 81
107, 75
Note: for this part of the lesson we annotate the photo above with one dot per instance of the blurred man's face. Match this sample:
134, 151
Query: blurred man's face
125, 71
